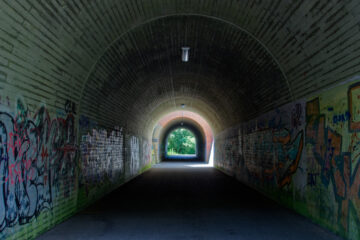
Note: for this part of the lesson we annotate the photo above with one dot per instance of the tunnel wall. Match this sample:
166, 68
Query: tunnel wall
304, 155
54, 162
108, 157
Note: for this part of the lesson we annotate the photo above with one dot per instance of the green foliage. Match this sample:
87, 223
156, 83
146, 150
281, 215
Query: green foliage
180, 142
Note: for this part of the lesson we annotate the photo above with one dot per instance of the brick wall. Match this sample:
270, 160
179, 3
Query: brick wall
46, 175
116, 64
304, 155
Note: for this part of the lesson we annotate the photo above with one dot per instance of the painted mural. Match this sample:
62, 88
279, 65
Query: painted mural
38, 163
304, 155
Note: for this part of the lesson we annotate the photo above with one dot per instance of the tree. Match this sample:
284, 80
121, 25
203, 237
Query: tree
181, 141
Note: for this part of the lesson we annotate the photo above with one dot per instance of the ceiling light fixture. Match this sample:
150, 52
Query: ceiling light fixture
185, 54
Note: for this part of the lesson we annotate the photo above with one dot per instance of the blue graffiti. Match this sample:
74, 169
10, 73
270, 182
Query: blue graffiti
342, 117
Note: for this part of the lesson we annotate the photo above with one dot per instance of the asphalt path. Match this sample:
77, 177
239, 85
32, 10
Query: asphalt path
186, 201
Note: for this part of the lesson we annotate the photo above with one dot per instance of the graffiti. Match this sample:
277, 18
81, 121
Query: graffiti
227, 152
278, 155
40, 162
37, 164
101, 157
230, 152
305, 154
267, 151
335, 164
273, 146
288, 156
341, 117
146, 152
154, 152
134, 155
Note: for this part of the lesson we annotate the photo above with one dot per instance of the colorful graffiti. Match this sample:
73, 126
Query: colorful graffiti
335, 158
38, 161
306, 155
45, 176
268, 143
101, 157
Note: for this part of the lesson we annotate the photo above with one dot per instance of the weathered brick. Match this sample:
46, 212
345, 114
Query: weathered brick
119, 61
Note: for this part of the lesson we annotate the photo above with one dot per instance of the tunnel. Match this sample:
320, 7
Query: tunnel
198, 156
90, 90
183, 120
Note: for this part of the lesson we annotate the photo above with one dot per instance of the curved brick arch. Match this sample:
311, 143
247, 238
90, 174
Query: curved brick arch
256, 74
174, 119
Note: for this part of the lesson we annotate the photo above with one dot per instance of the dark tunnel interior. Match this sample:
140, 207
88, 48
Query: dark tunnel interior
89, 91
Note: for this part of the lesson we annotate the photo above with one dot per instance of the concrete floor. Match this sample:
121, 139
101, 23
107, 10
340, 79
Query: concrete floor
186, 201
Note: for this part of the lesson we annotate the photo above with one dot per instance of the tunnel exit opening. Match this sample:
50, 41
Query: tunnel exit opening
181, 143
189, 125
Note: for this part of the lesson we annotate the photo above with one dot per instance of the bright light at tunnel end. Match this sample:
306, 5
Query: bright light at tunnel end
179, 117
206, 165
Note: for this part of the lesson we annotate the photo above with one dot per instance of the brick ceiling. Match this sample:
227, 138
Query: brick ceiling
120, 59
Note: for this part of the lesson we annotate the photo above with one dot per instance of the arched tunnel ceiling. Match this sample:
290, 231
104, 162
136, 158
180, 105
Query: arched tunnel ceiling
228, 70
60, 46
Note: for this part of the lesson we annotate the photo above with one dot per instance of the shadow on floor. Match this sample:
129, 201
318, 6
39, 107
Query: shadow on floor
181, 201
